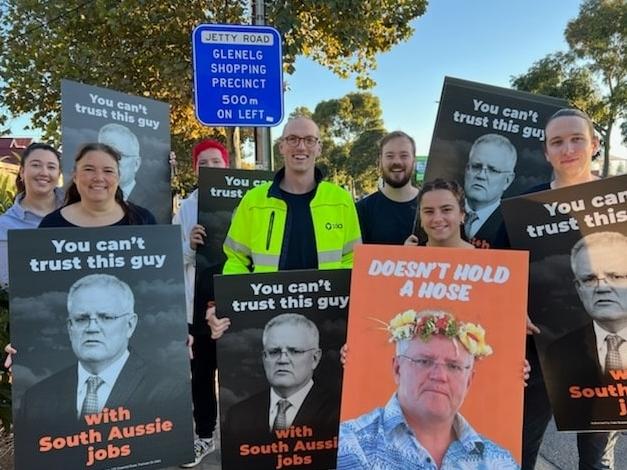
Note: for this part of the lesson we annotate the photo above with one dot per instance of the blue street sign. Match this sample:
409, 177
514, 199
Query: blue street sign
238, 75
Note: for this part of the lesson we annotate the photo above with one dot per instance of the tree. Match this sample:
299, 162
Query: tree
593, 74
144, 48
350, 128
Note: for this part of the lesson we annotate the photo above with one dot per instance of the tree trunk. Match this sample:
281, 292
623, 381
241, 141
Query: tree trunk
233, 146
606, 149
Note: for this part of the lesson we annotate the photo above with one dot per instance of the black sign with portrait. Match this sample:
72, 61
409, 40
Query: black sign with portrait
489, 139
577, 239
101, 377
280, 370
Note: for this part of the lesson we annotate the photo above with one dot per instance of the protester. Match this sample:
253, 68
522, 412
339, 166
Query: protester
210, 154
441, 215
570, 145
94, 199
421, 426
297, 221
38, 195
388, 215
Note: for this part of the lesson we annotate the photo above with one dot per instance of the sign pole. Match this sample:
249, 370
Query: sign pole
262, 134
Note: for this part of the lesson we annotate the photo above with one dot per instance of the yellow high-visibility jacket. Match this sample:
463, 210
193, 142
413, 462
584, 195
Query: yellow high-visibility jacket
255, 238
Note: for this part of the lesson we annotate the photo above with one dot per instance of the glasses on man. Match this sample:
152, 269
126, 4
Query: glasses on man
476, 168
294, 140
425, 364
291, 353
101, 319
593, 281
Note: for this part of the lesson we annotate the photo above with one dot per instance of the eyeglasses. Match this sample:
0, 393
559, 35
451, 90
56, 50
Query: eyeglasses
101, 319
291, 353
294, 140
611, 279
476, 168
425, 364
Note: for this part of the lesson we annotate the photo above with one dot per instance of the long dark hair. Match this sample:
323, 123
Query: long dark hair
19, 182
72, 195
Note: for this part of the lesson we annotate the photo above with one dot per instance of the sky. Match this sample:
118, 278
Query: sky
486, 41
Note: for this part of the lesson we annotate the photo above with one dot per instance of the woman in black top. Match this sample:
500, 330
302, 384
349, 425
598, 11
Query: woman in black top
94, 199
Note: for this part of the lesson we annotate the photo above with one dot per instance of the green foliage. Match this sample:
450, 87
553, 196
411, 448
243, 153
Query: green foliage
592, 76
350, 128
7, 191
144, 48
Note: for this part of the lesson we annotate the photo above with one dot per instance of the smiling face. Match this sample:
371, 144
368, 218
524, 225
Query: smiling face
441, 217
40, 172
600, 271
301, 157
432, 394
397, 162
489, 172
569, 147
96, 176
298, 356
97, 344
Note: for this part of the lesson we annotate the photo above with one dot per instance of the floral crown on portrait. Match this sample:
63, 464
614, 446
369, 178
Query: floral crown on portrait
426, 323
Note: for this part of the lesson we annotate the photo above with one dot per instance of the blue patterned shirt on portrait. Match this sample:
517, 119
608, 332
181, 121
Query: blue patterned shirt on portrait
382, 440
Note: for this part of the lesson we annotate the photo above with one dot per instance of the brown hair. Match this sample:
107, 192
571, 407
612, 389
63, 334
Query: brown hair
395, 135
439, 183
572, 112
19, 182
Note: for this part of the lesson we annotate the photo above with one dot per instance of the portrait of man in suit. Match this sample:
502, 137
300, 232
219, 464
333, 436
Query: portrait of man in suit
107, 375
124, 141
489, 172
587, 356
292, 404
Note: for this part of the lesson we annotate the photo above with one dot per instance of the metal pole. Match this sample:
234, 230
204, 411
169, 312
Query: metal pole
262, 134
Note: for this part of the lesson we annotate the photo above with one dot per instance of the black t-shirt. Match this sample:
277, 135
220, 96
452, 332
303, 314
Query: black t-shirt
384, 221
141, 216
299, 240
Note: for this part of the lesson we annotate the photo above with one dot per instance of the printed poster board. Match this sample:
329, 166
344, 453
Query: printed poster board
577, 239
107, 303
137, 127
510, 159
488, 287
252, 368
219, 193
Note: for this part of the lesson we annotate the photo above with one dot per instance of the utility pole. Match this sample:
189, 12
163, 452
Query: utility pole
262, 134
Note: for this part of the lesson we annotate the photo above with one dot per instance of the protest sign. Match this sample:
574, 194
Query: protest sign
577, 239
98, 318
137, 127
506, 128
283, 343
488, 288
219, 193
